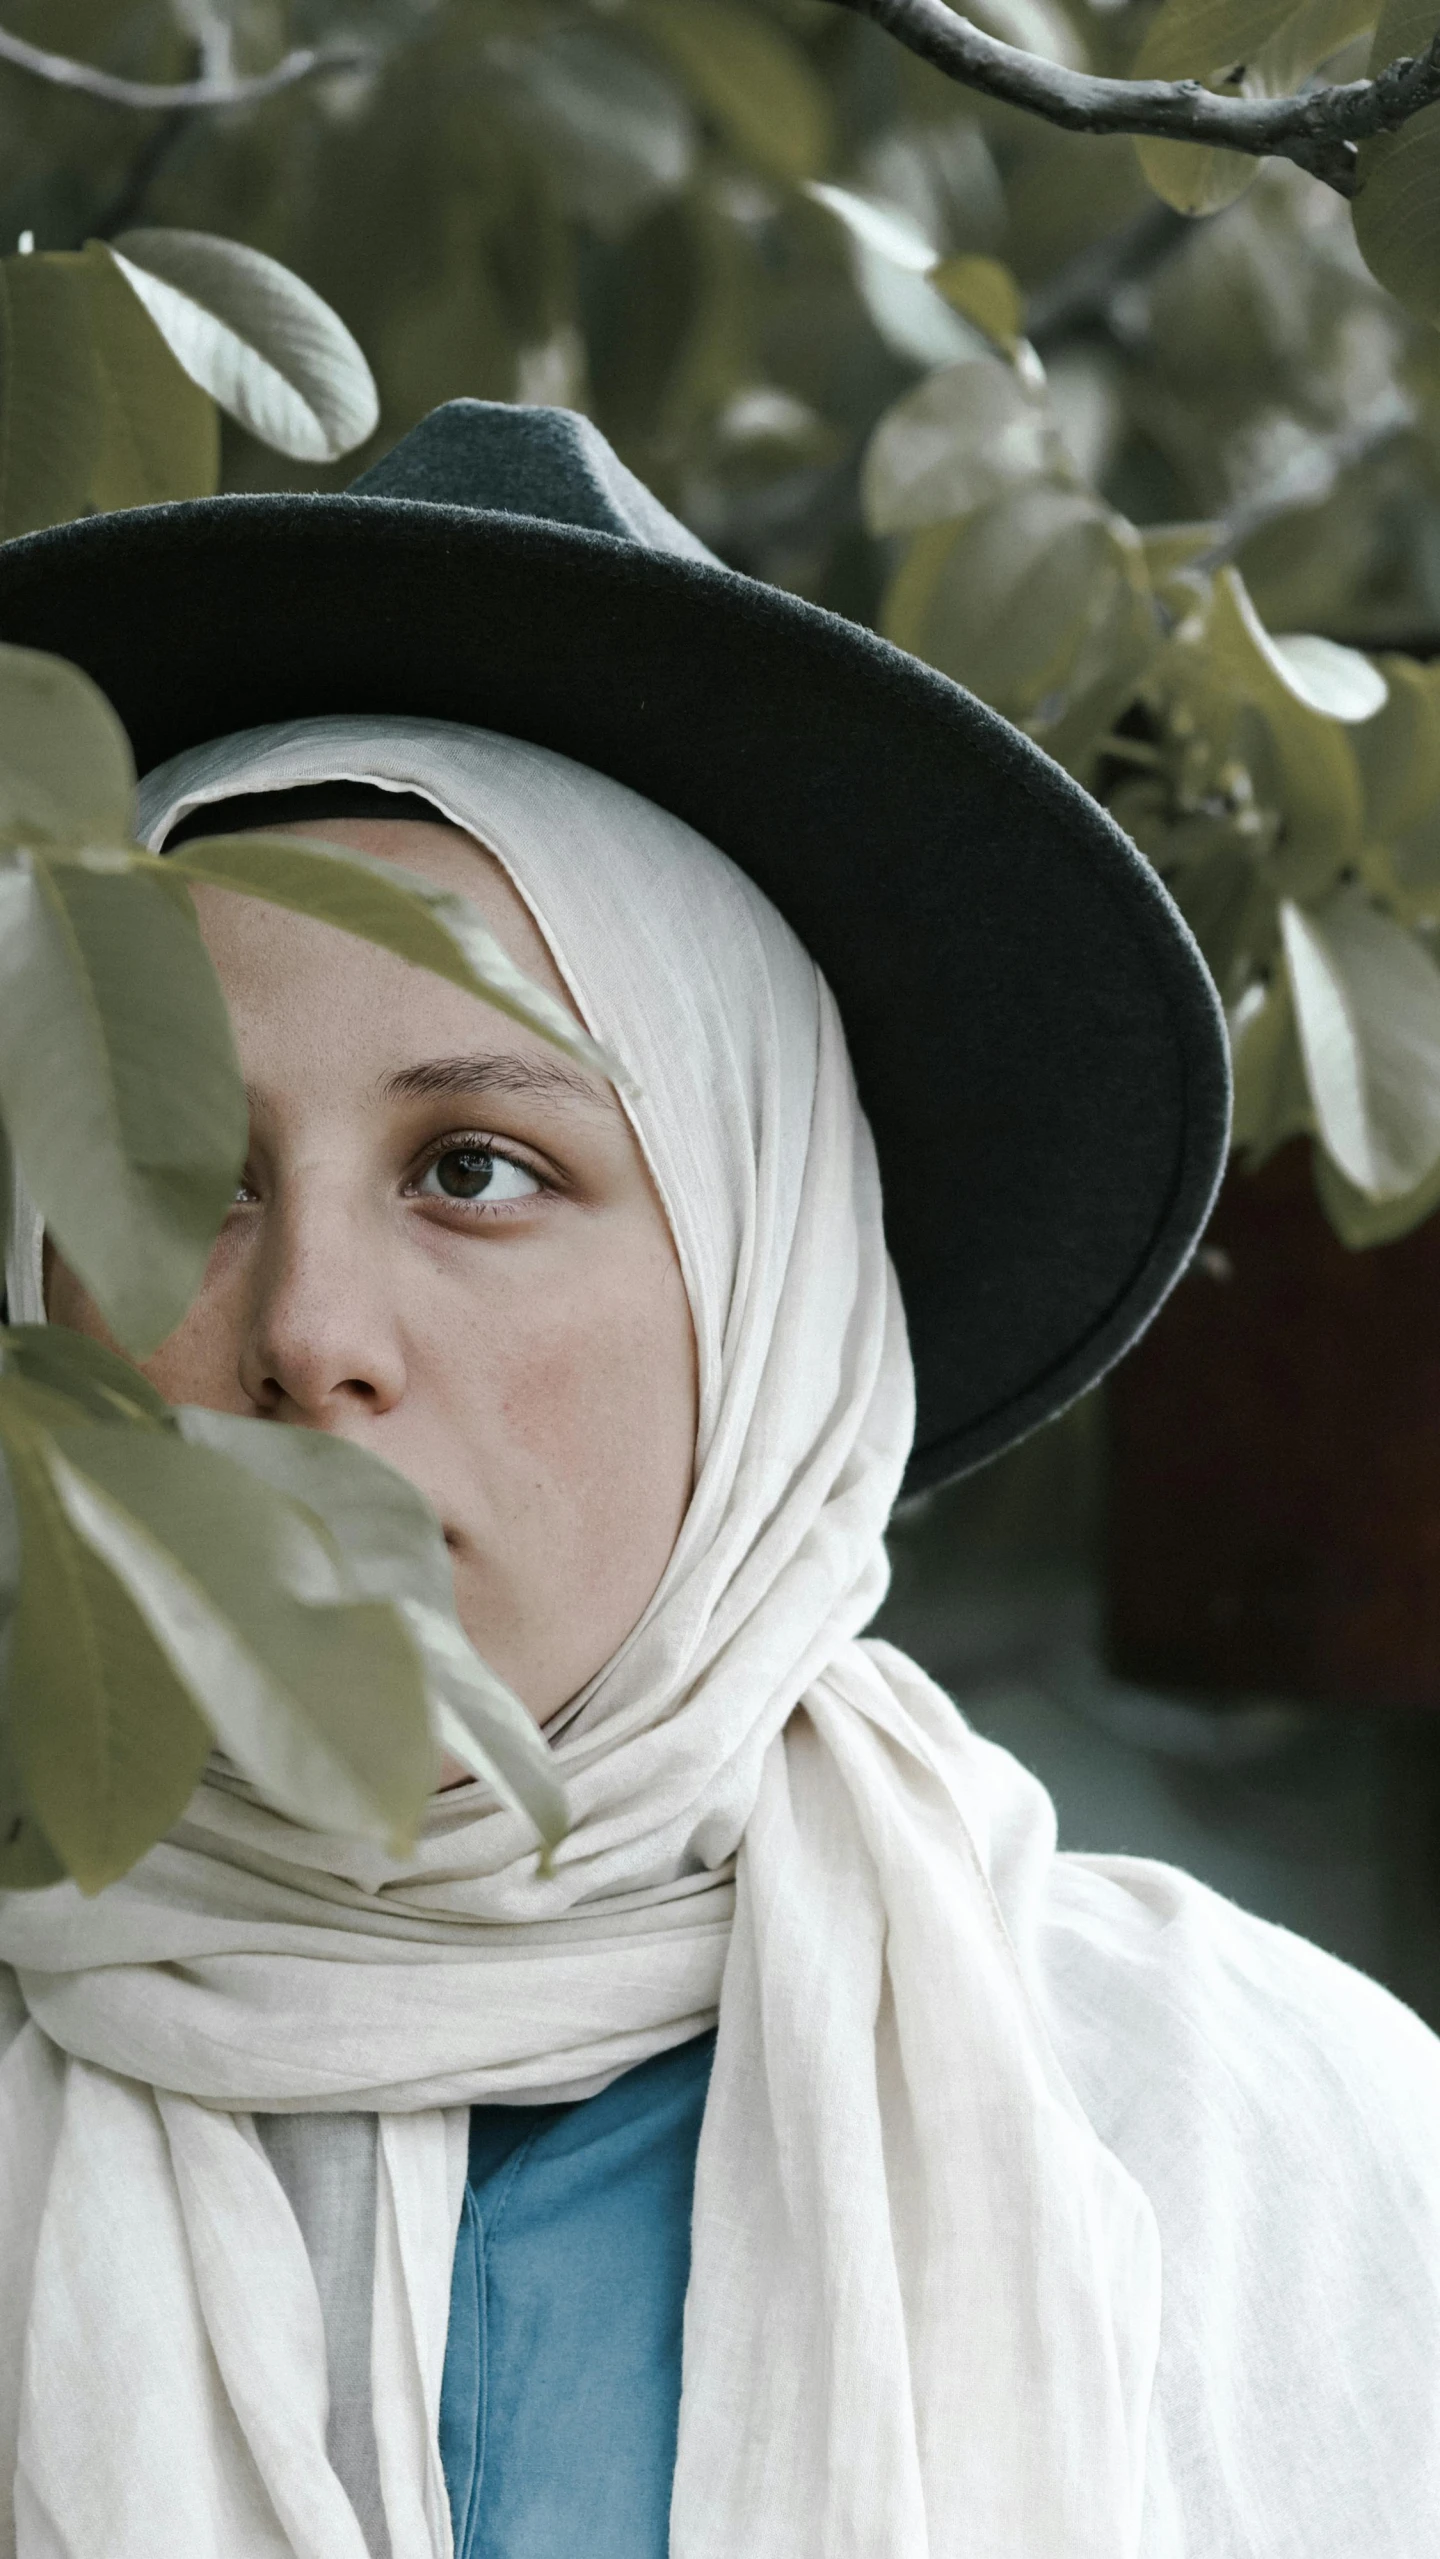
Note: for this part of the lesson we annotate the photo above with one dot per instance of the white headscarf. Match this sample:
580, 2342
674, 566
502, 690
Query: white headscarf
924, 2304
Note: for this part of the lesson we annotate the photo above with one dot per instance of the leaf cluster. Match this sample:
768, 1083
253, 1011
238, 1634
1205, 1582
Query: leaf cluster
1286, 787
170, 1580
119, 358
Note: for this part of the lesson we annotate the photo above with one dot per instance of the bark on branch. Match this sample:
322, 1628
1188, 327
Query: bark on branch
158, 97
1319, 128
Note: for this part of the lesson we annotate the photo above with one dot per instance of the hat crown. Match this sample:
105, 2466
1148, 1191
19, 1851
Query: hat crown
505, 458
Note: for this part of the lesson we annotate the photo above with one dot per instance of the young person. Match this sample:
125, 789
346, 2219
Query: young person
816, 2165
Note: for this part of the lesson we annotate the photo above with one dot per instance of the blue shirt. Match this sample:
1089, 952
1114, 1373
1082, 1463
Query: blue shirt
561, 2394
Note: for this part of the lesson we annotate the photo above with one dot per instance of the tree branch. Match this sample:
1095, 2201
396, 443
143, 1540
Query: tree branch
151, 97
1319, 129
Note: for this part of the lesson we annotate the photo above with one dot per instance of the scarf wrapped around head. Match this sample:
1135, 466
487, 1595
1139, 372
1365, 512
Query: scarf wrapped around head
924, 2299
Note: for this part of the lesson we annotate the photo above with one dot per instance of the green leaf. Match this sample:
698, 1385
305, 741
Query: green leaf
892, 234
50, 411
66, 774
1367, 1010
392, 1548
1404, 873
90, 1383
27, 1861
382, 902
1362, 1222
755, 85
1397, 212
96, 411
1315, 31
1397, 199
317, 1697
1171, 548
189, 1573
1204, 40
119, 1083
264, 346
1272, 1098
104, 1739
1402, 28
1035, 26
160, 437
1399, 750
619, 134
983, 290
1227, 674
892, 259
1326, 677
1025, 601
960, 438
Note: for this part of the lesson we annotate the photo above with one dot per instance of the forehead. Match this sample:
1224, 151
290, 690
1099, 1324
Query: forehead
450, 859
268, 955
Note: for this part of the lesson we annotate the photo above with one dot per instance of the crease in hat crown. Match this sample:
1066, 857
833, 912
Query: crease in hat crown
495, 456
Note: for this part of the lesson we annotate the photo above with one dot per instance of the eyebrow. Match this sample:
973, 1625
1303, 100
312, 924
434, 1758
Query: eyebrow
435, 1078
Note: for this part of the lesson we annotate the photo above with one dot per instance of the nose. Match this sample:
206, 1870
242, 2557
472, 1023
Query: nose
323, 1345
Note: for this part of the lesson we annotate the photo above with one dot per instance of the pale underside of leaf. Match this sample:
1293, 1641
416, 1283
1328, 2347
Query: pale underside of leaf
1328, 677
882, 227
265, 347
1367, 1009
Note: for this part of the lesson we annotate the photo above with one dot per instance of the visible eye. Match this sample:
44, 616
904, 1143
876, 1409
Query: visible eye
474, 1173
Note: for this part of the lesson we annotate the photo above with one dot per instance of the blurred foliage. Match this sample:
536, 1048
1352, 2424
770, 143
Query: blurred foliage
917, 356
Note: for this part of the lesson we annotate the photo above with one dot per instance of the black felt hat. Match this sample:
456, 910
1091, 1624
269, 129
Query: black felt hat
1037, 1043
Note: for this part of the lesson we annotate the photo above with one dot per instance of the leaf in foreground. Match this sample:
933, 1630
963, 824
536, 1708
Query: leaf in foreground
100, 1730
66, 772
393, 1548
119, 1082
317, 1697
1367, 1009
381, 902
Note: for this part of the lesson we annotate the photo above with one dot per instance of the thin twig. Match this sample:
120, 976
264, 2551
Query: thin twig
1319, 128
1283, 497
152, 97
128, 202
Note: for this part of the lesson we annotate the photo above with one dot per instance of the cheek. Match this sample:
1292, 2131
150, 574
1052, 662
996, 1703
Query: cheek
590, 1397
603, 1393
199, 1364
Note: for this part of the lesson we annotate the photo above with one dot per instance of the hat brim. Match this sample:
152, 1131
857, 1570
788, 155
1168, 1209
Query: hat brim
1035, 1037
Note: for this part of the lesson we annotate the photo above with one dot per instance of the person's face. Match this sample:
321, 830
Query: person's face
447, 1248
